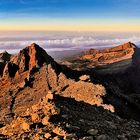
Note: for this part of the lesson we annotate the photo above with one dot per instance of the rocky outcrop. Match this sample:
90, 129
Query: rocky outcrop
4, 58
31, 57
119, 48
35, 121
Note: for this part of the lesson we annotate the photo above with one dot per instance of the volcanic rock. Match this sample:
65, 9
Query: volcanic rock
47, 135
87, 138
25, 126
4, 58
84, 78
101, 137
93, 132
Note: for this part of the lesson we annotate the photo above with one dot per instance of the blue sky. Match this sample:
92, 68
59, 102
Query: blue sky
57, 12
71, 8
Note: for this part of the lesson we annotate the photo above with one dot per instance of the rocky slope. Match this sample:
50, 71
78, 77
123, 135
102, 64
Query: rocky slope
56, 117
40, 99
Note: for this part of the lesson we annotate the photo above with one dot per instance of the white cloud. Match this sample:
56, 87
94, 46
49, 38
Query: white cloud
65, 43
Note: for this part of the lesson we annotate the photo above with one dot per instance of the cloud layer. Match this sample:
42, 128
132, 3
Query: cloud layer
65, 42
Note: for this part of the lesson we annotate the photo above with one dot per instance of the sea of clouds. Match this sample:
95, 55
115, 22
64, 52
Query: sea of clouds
65, 41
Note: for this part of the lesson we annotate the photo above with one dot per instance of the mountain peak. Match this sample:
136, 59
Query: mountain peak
30, 57
4, 56
33, 46
128, 45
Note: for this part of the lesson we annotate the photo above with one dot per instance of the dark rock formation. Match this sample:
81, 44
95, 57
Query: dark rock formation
4, 58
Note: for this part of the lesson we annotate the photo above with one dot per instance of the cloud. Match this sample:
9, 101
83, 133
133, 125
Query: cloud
65, 43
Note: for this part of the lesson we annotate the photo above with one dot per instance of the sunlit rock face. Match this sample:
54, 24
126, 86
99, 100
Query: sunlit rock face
109, 60
29, 58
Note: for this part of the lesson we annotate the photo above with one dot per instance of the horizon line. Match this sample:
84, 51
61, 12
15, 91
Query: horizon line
125, 31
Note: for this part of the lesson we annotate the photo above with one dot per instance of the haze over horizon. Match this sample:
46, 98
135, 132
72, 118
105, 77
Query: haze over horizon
61, 44
70, 15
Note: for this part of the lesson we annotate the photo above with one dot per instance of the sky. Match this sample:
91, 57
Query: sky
70, 15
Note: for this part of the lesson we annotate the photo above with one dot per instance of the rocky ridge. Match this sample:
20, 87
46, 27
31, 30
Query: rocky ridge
121, 56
